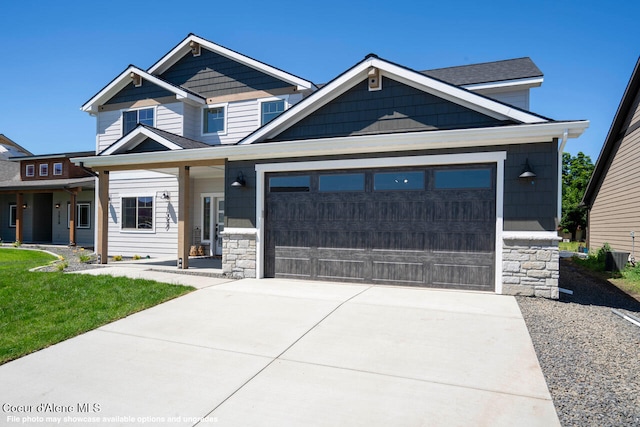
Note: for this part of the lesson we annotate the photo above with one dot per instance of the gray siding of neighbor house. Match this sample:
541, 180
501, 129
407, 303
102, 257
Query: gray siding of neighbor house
395, 108
130, 93
527, 206
211, 74
7, 234
615, 212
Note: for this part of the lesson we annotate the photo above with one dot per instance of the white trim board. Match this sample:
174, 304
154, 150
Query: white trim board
497, 157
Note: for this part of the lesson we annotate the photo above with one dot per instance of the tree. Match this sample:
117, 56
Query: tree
576, 173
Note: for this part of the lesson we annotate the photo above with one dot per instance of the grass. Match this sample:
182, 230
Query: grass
39, 309
628, 280
569, 246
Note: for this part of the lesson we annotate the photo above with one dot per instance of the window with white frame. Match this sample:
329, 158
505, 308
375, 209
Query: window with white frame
13, 212
137, 213
83, 215
57, 169
270, 110
130, 119
44, 169
30, 170
214, 120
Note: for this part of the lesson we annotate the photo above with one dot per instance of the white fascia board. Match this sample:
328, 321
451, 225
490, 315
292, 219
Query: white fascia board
183, 48
454, 94
459, 138
524, 83
136, 136
123, 80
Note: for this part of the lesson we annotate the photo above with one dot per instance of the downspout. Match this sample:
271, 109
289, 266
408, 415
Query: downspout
563, 142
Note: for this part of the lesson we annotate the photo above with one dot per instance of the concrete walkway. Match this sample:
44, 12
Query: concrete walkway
291, 353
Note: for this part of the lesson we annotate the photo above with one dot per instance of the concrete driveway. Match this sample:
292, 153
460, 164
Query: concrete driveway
291, 353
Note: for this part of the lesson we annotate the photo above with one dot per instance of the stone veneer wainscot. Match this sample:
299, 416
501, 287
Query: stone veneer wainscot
239, 252
531, 264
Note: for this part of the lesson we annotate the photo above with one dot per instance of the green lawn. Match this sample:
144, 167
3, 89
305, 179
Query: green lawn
40, 309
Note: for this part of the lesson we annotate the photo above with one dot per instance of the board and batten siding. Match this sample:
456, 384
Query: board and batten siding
163, 241
616, 209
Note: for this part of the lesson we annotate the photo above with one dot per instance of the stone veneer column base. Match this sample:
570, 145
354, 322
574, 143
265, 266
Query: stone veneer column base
239, 253
530, 264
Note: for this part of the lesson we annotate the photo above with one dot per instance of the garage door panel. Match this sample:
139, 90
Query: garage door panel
405, 236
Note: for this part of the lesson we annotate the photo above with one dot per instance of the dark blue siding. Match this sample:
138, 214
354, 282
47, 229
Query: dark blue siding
131, 93
395, 108
211, 74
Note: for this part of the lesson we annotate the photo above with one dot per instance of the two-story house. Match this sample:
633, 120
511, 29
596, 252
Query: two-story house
383, 175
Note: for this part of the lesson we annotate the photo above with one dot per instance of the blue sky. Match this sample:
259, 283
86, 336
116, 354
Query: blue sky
54, 56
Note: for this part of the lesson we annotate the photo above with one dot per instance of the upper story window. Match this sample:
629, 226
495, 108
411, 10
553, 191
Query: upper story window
214, 120
270, 110
30, 170
57, 169
44, 169
130, 119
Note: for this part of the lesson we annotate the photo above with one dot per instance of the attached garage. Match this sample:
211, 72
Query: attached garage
429, 226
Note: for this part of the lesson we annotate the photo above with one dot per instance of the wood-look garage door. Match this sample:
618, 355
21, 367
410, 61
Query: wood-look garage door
429, 226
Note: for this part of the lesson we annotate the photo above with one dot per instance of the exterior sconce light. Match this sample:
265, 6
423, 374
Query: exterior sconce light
25, 206
527, 173
57, 205
239, 182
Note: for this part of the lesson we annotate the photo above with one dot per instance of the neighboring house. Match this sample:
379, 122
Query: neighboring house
613, 195
383, 175
47, 199
9, 148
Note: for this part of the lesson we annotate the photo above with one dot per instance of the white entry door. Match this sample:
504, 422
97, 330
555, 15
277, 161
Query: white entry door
212, 222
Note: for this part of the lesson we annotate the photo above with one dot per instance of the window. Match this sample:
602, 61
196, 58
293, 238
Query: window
342, 182
130, 119
30, 170
57, 169
462, 178
398, 181
44, 169
271, 110
213, 120
290, 184
12, 215
137, 213
83, 215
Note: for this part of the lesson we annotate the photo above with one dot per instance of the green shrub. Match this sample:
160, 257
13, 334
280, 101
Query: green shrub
117, 257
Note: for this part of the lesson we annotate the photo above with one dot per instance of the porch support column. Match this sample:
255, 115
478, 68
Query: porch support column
102, 243
183, 216
72, 219
19, 217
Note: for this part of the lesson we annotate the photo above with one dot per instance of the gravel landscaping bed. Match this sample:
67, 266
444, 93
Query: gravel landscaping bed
590, 357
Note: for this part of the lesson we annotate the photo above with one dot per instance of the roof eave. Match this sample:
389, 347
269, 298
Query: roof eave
427, 140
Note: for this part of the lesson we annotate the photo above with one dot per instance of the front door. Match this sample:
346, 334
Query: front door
212, 222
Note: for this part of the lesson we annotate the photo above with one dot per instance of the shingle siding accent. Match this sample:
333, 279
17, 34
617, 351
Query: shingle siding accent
527, 207
395, 108
130, 93
211, 74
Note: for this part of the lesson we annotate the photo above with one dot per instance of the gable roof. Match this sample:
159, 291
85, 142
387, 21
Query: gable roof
617, 132
488, 72
184, 47
359, 72
124, 79
141, 132
10, 148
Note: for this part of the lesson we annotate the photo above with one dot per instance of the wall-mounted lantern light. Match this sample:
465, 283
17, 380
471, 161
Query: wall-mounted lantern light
527, 173
25, 206
57, 205
239, 182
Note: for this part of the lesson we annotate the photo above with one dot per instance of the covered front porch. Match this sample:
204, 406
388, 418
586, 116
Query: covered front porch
166, 214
